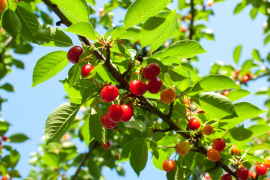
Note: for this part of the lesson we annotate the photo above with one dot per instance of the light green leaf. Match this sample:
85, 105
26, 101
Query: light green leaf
74, 74
3, 127
51, 159
138, 157
14, 158
103, 74
108, 33
136, 124
237, 94
243, 111
48, 66
167, 33
179, 112
60, 120
86, 132
30, 24
94, 71
213, 83
267, 40
237, 53
153, 146
96, 129
118, 32
167, 80
240, 135
141, 10
167, 141
164, 153
259, 129
169, 61
182, 173
253, 12
133, 33
18, 138
256, 55
11, 23
83, 29
75, 10
52, 36
260, 147
214, 104
239, 8
183, 49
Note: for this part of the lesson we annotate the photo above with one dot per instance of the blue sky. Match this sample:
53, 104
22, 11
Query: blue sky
28, 108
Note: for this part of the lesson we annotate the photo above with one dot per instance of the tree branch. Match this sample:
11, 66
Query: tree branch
171, 110
4, 48
84, 159
192, 20
162, 130
113, 71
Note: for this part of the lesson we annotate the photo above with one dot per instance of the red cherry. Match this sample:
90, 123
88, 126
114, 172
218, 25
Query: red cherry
213, 155
109, 93
249, 75
201, 112
3, 4
219, 144
127, 113
168, 165
137, 87
226, 177
194, 123
74, 53
245, 79
4, 178
115, 113
151, 71
243, 173
261, 169
154, 85
207, 176
225, 92
106, 122
4, 138
86, 69
106, 146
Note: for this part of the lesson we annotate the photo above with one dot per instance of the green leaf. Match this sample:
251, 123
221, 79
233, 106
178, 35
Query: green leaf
86, 132
54, 37
48, 66
163, 155
154, 27
118, 32
239, 134
237, 94
167, 140
60, 120
213, 83
133, 33
253, 13
183, 49
8, 87
138, 157
3, 127
51, 159
237, 53
179, 111
169, 61
94, 71
74, 74
267, 40
46, 18
96, 129
93, 168
75, 10
18, 64
11, 23
153, 146
179, 74
14, 158
108, 33
17, 138
182, 173
120, 48
136, 124
172, 25
214, 104
83, 29
127, 149
260, 147
256, 55
243, 111
103, 74
141, 10
239, 8
23, 49
167, 80
259, 129
30, 24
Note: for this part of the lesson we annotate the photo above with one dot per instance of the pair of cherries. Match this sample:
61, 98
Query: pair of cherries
151, 72
116, 112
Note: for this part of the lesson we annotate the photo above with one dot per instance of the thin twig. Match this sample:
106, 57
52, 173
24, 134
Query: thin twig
192, 19
84, 159
162, 130
4, 48
171, 110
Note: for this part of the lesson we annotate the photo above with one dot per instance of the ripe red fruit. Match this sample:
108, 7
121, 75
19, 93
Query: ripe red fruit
226, 177
151, 71
225, 92
235, 150
154, 85
183, 147
137, 87
86, 69
4, 178
4, 138
106, 146
167, 96
245, 79
267, 161
168, 165
3, 4
243, 173
252, 174
115, 113
109, 93
213, 155
207, 176
261, 169
127, 113
219, 144
208, 130
74, 53
194, 123
106, 122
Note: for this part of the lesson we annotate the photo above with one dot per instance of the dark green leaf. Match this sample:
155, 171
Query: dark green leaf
74, 74
138, 157
8, 87
17, 138
96, 129
11, 23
